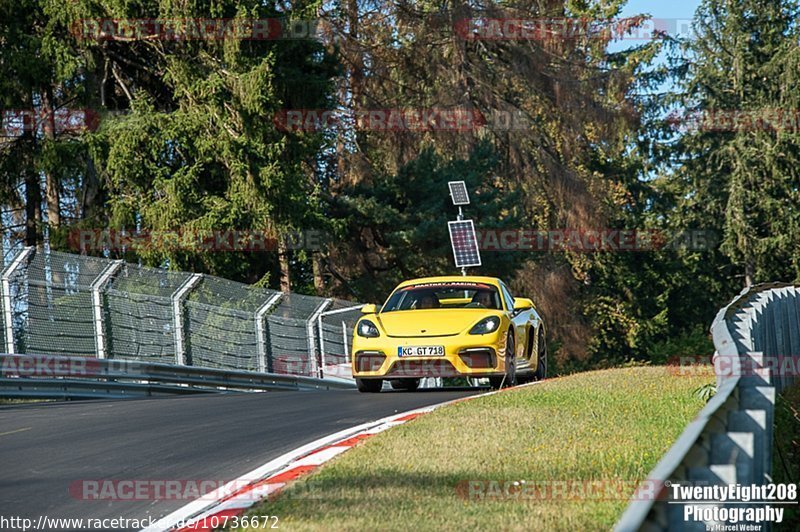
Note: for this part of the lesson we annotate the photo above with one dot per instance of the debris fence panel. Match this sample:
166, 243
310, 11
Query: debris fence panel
292, 351
139, 315
288, 339
220, 337
220, 324
60, 308
65, 304
141, 325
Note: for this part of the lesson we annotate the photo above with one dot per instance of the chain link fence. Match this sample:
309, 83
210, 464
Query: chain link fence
65, 304
138, 310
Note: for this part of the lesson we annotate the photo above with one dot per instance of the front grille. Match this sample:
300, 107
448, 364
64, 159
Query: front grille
369, 360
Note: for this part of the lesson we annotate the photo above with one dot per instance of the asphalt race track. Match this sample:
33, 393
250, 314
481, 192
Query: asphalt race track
44, 449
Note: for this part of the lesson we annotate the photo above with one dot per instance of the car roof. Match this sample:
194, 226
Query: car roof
452, 278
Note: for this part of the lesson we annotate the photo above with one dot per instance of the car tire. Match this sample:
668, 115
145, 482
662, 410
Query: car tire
510, 378
369, 385
408, 385
541, 366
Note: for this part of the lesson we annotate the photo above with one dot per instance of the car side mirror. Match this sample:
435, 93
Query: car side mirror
369, 309
522, 303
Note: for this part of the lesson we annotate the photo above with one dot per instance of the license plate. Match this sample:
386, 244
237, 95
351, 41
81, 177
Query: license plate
420, 351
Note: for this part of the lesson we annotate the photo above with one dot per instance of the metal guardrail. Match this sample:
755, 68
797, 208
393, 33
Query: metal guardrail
59, 377
730, 440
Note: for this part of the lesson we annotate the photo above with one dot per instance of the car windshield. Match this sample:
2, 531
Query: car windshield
443, 295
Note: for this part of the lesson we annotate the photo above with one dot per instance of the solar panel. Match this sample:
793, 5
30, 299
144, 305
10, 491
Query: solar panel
458, 192
465, 244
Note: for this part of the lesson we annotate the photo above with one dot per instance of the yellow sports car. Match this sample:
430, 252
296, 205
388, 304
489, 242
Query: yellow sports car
449, 327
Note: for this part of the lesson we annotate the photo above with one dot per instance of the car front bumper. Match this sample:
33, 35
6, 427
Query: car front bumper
472, 356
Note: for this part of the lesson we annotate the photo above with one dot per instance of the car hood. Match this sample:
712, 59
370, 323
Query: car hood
434, 322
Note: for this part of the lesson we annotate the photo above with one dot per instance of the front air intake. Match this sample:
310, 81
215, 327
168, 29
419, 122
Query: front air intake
483, 357
369, 360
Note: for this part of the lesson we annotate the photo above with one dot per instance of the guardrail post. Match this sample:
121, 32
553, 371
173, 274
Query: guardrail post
317, 367
177, 315
261, 343
97, 305
8, 311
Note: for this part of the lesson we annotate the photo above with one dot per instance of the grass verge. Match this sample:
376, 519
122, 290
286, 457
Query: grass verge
607, 426
786, 450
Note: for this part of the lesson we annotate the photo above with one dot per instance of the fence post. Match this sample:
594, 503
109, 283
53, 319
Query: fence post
322, 333
177, 315
344, 339
8, 311
261, 344
312, 348
97, 305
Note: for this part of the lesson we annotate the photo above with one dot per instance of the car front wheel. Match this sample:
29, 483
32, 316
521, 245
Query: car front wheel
510, 378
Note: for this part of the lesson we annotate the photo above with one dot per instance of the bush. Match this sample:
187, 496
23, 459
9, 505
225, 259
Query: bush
693, 342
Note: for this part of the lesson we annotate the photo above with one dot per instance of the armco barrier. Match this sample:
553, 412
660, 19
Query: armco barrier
58, 377
730, 441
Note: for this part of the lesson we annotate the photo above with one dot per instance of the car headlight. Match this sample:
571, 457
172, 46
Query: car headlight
486, 325
367, 329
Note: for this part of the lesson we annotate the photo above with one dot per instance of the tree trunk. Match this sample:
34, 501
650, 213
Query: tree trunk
52, 188
356, 170
319, 280
749, 272
92, 197
283, 259
33, 208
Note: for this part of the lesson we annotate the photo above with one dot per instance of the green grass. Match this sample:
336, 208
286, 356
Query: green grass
786, 455
610, 425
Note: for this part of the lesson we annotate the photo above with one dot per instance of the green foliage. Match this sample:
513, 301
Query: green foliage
738, 186
695, 342
187, 142
705, 392
742, 181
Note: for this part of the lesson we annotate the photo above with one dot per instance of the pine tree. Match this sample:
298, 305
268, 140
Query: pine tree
187, 140
738, 168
